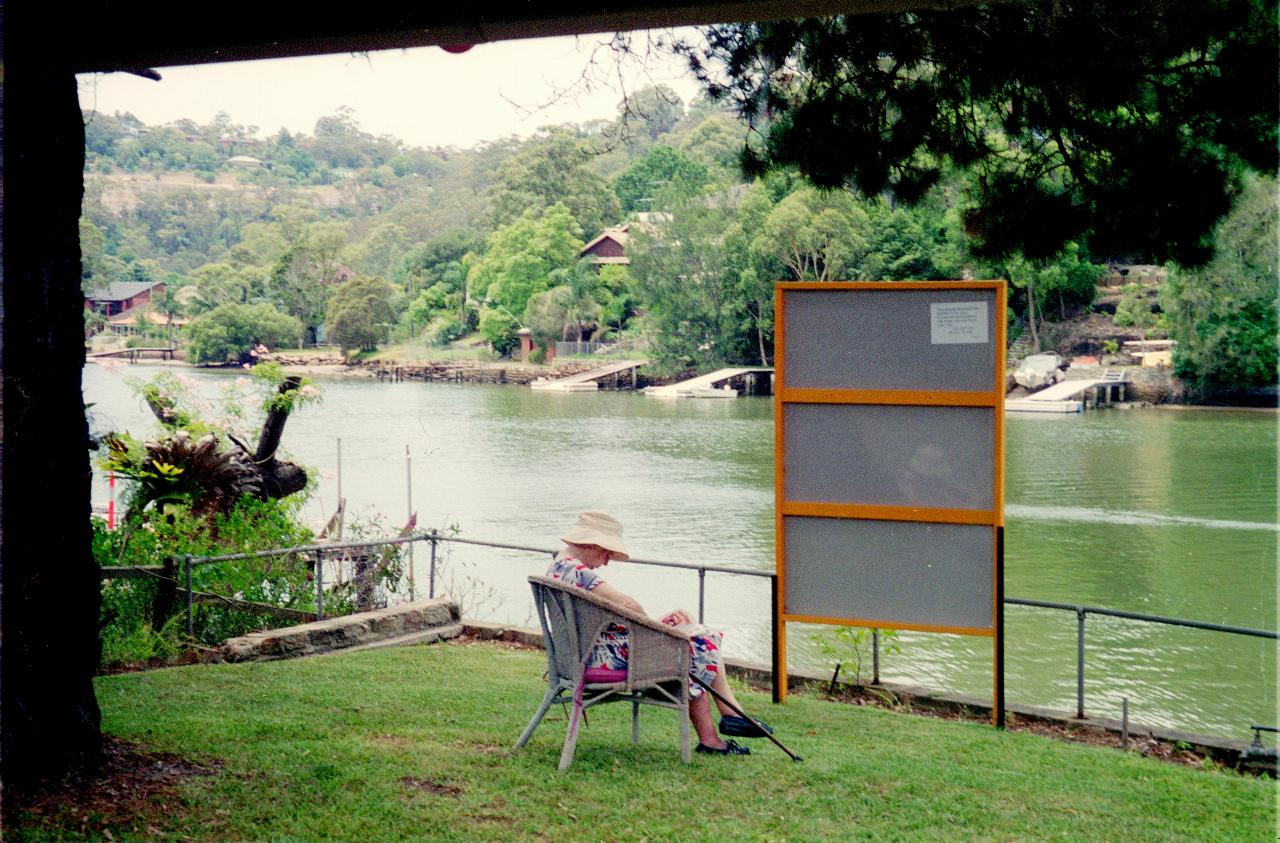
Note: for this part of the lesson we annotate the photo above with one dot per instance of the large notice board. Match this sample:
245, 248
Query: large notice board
889, 463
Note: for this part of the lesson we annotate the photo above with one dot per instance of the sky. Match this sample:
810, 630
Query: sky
424, 96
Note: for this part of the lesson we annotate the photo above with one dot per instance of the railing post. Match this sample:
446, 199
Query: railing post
191, 625
408, 488
431, 574
319, 585
774, 647
875, 657
702, 593
1080, 616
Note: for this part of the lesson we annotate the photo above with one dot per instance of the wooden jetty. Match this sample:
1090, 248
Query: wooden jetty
590, 381
1061, 397
134, 354
757, 382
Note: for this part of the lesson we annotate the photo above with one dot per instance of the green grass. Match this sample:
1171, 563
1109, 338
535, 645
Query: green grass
419, 351
615, 354
318, 748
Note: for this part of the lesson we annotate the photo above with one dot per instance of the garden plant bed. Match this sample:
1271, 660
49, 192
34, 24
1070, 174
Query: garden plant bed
188, 656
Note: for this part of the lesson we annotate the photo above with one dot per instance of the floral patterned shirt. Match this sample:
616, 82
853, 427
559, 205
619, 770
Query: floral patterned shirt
612, 649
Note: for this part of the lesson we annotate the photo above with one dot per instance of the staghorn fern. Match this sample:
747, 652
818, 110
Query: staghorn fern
178, 469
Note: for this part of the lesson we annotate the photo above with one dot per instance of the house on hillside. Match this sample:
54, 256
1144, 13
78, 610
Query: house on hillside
122, 296
137, 321
238, 145
609, 247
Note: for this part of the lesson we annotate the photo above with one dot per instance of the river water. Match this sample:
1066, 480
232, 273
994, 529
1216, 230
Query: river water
1156, 511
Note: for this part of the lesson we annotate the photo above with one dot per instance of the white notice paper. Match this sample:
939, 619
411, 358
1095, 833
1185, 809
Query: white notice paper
951, 323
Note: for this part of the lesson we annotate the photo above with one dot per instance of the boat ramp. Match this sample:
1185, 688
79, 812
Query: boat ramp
1062, 397
133, 355
590, 381
756, 380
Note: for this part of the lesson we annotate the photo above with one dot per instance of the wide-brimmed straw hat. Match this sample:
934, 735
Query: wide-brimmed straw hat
598, 528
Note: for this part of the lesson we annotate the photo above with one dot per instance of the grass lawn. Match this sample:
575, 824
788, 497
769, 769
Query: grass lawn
416, 743
418, 351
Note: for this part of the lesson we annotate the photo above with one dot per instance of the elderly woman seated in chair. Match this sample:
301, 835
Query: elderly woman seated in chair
590, 545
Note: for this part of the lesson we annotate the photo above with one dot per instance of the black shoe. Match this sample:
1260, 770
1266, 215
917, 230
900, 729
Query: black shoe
730, 748
741, 727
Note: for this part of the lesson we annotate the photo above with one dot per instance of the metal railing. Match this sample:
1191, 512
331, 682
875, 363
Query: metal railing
190, 561
564, 348
435, 537
1082, 612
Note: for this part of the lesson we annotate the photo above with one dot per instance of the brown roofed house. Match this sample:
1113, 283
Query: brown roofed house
121, 296
609, 246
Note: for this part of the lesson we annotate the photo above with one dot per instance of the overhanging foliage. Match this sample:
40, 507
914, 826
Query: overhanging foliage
1124, 125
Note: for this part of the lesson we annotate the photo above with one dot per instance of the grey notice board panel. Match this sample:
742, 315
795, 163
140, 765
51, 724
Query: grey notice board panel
923, 456
895, 572
890, 339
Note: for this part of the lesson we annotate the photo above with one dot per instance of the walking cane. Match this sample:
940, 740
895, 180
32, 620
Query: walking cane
747, 717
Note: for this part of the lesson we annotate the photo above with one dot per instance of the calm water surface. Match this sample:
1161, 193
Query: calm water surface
1156, 511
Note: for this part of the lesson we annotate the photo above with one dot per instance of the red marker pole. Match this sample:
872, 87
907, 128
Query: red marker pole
111, 503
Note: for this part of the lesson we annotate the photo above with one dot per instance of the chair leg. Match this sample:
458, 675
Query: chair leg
537, 718
686, 752
571, 738
635, 722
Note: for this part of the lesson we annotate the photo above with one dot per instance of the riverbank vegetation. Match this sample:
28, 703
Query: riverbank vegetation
205, 485
366, 242
284, 750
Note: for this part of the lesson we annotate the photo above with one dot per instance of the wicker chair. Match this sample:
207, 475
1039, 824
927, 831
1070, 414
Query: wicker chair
657, 670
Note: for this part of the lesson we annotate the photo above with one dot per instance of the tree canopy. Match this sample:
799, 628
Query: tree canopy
1124, 126
654, 108
360, 313
662, 166
521, 256
230, 331
550, 171
1223, 315
818, 235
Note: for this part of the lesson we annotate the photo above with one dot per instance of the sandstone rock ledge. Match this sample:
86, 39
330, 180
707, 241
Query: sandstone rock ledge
422, 622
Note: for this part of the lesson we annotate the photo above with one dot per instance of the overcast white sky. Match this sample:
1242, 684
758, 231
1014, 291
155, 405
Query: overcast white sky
424, 96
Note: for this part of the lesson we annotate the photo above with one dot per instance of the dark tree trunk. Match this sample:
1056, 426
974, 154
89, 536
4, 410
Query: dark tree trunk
49, 717
162, 607
278, 478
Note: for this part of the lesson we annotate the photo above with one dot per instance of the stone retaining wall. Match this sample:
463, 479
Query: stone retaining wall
423, 621
460, 371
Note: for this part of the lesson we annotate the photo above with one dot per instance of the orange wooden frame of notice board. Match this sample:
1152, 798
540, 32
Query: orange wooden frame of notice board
813, 390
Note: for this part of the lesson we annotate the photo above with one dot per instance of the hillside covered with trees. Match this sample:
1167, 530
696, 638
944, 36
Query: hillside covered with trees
364, 240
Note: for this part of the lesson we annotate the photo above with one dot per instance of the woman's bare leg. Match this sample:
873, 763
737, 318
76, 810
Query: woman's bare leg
700, 715
721, 685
